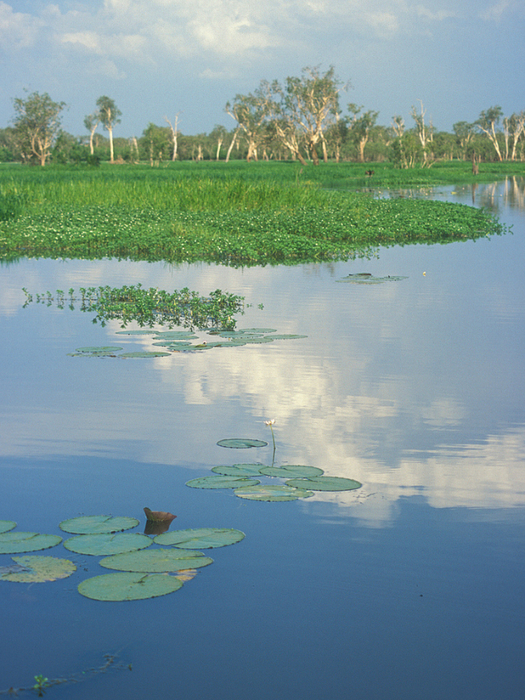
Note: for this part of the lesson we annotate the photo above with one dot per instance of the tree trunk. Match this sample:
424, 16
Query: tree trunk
230, 147
111, 158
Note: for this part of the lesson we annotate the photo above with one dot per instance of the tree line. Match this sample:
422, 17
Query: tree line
300, 119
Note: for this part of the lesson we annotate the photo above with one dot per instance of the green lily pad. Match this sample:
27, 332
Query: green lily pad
6, 525
36, 569
95, 524
102, 349
202, 537
157, 560
141, 332
325, 483
107, 543
241, 443
291, 470
257, 330
176, 335
144, 353
272, 493
239, 470
15, 542
173, 344
220, 482
287, 336
128, 586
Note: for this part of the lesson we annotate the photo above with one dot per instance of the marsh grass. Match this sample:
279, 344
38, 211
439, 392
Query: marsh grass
272, 213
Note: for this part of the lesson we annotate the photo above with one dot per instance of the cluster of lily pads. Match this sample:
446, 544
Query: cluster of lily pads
184, 341
300, 481
143, 571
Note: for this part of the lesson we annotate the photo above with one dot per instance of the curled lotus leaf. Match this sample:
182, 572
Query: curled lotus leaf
325, 483
272, 493
239, 470
220, 482
202, 537
157, 560
104, 544
38, 569
6, 525
128, 586
291, 470
94, 524
144, 354
241, 443
17, 542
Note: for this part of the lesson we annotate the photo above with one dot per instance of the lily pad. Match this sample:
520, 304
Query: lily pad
144, 353
94, 524
104, 544
103, 349
220, 482
15, 542
325, 483
239, 470
257, 330
6, 525
241, 443
272, 493
140, 332
202, 537
128, 586
157, 560
176, 335
287, 336
292, 470
37, 569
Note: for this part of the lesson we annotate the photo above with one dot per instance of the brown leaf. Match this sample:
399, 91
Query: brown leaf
159, 516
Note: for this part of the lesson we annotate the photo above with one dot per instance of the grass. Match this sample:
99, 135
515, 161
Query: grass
235, 214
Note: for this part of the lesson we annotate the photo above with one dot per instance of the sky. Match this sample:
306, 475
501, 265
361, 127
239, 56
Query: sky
162, 58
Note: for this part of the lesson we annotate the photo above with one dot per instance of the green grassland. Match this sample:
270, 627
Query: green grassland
231, 213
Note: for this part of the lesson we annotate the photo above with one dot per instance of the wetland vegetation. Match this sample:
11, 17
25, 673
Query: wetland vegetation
235, 214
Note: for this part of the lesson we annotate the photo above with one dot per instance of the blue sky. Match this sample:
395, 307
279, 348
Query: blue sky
157, 58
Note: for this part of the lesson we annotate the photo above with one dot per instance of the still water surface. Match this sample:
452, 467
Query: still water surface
410, 587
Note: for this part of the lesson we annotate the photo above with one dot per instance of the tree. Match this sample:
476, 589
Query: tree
109, 115
513, 127
174, 133
464, 134
361, 125
36, 126
250, 112
91, 121
487, 122
310, 104
219, 134
424, 132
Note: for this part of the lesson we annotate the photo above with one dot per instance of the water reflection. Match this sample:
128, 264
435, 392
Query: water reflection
413, 388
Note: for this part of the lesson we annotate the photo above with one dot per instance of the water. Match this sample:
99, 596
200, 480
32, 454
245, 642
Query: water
409, 587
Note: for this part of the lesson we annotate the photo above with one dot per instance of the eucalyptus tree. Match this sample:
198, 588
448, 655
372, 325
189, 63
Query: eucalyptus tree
37, 124
487, 122
310, 103
464, 133
424, 132
174, 133
251, 112
91, 122
219, 134
361, 124
109, 115
513, 129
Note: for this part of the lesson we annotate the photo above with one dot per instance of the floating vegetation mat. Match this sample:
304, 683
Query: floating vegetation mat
368, 278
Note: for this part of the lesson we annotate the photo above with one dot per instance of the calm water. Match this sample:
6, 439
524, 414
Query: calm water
410, 587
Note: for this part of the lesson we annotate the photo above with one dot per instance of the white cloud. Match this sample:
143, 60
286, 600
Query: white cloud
495, 12
17, 29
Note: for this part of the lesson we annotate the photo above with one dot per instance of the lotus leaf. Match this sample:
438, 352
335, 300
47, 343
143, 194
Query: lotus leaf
128, 586
272, 493
95, 524
255, 341
175, 344
108, 353
176, 335
325, 483
239, 470
36, 569
6, 525
144, 353
107, 543
15, 542
203, 537
220, 482
241, 443
291, 470
157, 560
257, 330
